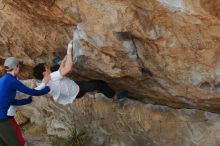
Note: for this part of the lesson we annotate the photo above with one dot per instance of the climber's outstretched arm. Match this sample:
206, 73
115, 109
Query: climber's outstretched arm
67, 63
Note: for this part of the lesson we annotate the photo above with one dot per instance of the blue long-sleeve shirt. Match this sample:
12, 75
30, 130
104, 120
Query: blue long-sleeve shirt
8, 87
20, 102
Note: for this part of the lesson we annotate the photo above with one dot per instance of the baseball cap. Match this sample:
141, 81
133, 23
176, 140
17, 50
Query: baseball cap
12, 62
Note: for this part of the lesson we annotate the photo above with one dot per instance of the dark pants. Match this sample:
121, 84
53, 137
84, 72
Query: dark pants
94, 85
10, 134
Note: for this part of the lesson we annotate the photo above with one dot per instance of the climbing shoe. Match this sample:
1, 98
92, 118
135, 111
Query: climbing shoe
120, 95
57, 60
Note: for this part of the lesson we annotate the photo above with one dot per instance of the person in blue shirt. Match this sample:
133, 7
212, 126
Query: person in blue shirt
9, 136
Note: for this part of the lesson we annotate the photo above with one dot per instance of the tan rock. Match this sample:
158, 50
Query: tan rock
163, 52
130, 123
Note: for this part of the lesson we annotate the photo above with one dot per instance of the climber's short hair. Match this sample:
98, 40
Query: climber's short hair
38, 71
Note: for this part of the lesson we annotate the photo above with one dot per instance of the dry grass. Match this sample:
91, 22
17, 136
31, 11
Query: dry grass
77, 138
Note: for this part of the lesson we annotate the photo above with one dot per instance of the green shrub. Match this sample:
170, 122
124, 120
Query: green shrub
77, 138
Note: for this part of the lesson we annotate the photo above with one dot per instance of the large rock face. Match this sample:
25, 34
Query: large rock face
163, 52
34, 29
128, 124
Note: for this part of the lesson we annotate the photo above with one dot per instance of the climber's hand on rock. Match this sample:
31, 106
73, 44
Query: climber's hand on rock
70, 47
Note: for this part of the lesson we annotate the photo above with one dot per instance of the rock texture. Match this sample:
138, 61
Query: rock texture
130, 123
33, 30
162, 51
